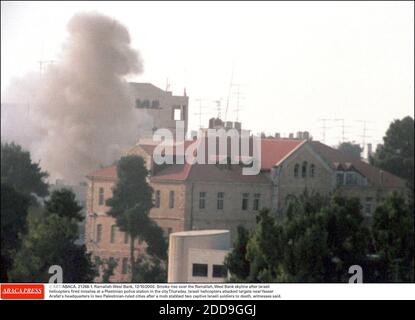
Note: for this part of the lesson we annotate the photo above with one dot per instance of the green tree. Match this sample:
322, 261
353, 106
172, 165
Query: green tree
130, 206
263, 249
108, 266
14, 206
236, 260
50, 240
352, 149
396, 155
63, 203
393, 233
317, 241
18, 170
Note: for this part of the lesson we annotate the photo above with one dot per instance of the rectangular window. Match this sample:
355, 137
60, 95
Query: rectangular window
113, 230
171, 199
221, 196
339, 179
177, 114
99, 232
157, 200
199, 270
137, 103
245, 199
202, 200
351, 179
145, 104
219, 271
155, 104
101, 197
124, 268
126, 237
257, 201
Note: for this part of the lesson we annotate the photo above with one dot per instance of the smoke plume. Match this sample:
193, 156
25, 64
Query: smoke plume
79, 112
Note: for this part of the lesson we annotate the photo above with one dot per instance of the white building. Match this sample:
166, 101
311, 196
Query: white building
198, 256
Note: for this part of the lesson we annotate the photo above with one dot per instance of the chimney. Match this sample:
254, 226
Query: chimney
277, 135
291, 136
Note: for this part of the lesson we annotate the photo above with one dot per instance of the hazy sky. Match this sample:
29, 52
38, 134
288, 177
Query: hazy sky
296, 62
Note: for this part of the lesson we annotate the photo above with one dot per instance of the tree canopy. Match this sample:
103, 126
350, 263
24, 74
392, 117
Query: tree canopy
130, 206
50, 240
351, 149
396, 154
18, 170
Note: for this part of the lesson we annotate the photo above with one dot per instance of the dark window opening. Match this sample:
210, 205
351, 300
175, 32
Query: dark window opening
296, 169
124, 265
199, 270
221, 195
219, 271
171, 199
245, 199
339, 179
257, 198
101, 198
202, 200
157, 200
99, 232
113, 230
312, 170
304, 169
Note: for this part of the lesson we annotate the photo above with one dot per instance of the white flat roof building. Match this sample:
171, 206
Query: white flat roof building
198, 256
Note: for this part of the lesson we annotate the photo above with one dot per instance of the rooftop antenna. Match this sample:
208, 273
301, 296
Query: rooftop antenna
365, 129
324, 128
218, 106
200, 113
238, 98
229, 90
343, 128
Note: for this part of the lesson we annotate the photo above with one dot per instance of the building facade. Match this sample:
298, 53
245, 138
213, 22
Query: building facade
218, 196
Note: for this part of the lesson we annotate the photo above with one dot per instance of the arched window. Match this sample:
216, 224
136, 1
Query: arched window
304, 169
312, 170
296, 169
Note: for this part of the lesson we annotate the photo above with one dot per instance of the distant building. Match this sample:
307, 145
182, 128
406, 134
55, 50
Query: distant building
212, 196
163, 107
198, 256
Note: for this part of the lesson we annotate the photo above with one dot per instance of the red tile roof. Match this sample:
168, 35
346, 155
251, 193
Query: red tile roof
206, 173
107, 172
375, 176
272, 152
275, 150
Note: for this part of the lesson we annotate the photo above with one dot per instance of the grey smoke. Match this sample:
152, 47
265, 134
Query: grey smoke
79, 113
